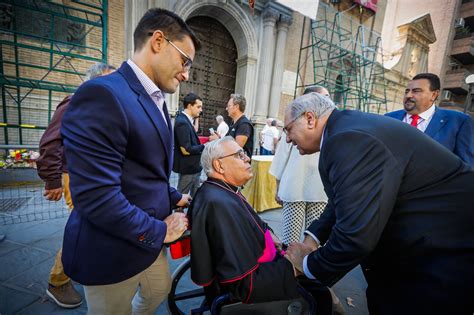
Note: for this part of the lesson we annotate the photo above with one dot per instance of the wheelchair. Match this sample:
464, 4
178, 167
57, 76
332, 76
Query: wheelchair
223, 304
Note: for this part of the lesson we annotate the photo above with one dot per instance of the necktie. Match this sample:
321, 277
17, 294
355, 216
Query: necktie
414, 120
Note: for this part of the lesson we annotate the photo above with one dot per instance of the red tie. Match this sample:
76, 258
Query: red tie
414, 120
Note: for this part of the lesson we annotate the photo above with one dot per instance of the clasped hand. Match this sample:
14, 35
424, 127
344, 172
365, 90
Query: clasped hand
176, 225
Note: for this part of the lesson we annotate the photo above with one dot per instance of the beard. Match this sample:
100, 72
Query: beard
409, 105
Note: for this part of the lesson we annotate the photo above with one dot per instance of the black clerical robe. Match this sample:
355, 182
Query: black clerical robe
227, 241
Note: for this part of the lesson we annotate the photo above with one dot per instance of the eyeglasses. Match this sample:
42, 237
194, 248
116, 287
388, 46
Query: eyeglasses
187, 61
286, 128
238, 155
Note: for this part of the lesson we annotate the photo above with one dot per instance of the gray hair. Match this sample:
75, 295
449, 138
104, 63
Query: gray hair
212, 151
239, 99
98, 69
219, 118
315, 89
315, 103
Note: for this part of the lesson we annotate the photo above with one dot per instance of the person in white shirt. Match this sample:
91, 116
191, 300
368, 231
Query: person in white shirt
269, 139
222, 127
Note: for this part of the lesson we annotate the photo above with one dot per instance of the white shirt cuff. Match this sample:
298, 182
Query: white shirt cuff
313, 236
306, 269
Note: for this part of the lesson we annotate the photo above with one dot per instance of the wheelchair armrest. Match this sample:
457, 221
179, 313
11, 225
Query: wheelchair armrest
219, 302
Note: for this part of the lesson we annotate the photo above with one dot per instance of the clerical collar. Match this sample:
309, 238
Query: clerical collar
220, 182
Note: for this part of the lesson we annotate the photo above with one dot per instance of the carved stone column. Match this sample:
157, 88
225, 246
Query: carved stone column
134, 12
278, 66
245, 82
267, 49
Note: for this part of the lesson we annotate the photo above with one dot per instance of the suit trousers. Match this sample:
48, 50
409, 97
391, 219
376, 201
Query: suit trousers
153, 284
188, 183
57, 277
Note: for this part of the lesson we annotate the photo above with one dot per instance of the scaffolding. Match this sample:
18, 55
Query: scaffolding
342, 55
45, 48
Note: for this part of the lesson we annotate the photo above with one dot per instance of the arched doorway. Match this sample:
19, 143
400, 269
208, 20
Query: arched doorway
212, 76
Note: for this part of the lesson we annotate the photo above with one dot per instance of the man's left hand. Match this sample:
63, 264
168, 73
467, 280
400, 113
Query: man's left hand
296, 253
185, 201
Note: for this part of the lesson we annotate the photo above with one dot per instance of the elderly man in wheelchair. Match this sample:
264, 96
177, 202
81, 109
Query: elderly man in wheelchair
235, 253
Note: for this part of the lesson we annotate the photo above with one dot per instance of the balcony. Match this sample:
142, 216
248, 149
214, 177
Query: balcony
454, 81
467, 13
463, 49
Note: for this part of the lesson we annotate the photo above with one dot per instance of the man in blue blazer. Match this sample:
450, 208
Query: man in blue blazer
404, 212
452, 129
187, 148
118, 142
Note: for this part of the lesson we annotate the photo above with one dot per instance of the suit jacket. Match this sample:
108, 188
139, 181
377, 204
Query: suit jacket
453, 129
187, 148
402, 210
119, 152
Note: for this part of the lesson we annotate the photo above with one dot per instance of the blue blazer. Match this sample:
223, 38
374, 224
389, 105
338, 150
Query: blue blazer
452, 129
119, 153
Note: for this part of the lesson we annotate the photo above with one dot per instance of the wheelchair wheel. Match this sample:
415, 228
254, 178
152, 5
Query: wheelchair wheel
184, 296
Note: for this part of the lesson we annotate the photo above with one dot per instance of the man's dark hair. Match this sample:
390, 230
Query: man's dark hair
168, 22
239, 99
274, 122
433, 78
190, 99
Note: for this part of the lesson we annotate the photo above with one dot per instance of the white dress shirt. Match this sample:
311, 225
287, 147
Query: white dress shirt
424, 119
150, 87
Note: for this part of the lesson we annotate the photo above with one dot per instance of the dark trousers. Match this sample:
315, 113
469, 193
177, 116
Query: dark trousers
188, 183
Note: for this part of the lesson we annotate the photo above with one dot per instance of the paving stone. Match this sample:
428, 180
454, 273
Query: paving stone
13, 300
20, 260
9, 228
51, 243
46, 307
34, 280
33, 233
7, 246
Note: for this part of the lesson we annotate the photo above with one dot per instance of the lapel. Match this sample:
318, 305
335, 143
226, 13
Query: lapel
399, 114
193, 132
163, 129
439, 120
323, 172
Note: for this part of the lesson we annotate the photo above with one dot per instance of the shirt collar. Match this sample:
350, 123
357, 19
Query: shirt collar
189, 117
322, 138
427, 113
150, 87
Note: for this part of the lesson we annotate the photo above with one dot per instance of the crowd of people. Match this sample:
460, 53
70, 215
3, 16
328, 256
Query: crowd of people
357, 189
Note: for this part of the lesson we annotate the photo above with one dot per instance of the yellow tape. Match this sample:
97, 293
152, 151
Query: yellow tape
27, 126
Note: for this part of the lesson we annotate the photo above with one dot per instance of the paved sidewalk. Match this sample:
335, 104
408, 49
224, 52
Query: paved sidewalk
28, 252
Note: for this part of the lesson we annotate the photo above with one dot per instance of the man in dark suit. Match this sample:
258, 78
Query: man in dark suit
452, 129
187, 148
118, 143
399, 204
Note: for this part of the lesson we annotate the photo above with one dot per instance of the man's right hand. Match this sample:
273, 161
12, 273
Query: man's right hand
176, 224
213, 137
53, 194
